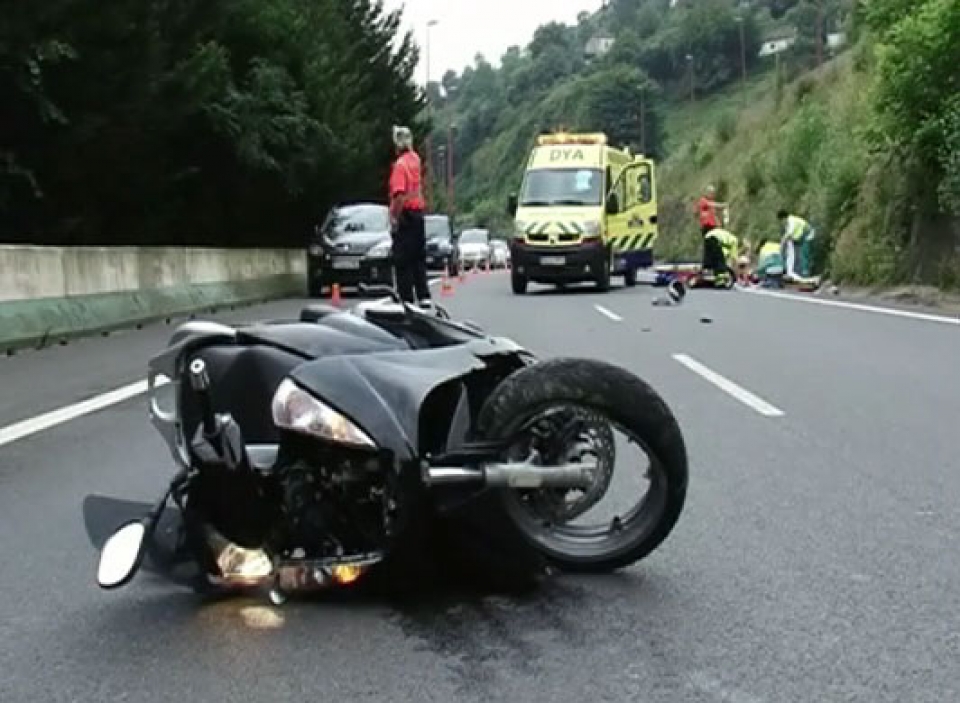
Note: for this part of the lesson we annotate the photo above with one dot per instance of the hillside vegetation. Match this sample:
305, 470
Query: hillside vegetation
233, 123
865, 145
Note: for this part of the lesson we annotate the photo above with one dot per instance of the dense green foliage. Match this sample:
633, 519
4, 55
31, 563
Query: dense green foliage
660, 56
867, 147
195, 121
918, 91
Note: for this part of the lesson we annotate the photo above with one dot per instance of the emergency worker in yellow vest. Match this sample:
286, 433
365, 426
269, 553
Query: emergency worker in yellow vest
720, 251
770, 269
797, 235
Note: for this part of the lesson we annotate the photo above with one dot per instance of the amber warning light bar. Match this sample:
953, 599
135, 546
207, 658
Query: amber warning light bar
555, 139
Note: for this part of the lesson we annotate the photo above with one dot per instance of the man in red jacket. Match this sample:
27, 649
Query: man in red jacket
407, 206
707, 208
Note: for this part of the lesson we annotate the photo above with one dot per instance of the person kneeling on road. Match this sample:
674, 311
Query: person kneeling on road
407, 207
769, 270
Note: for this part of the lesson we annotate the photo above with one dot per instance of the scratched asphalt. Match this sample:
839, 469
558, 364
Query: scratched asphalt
818, 557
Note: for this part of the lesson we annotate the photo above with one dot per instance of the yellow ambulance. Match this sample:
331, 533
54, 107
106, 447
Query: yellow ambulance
585, 212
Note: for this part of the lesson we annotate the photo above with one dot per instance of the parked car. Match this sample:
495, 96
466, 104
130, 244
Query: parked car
351, 246
474, 247
499, 254
442, 251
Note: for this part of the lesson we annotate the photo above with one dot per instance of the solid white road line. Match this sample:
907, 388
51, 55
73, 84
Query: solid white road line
25, 428
926, 317
728, 386
612, 315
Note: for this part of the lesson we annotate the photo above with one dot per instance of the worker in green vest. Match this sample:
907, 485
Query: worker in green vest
770, 267
797, 235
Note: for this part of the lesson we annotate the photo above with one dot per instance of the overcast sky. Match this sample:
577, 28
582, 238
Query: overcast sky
489, 27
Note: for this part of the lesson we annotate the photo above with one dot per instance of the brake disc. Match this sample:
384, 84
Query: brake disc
573, 436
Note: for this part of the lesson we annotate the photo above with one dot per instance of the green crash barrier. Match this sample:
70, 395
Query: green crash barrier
43, 321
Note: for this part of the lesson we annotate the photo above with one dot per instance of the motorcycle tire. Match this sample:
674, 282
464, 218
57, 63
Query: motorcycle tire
622, 398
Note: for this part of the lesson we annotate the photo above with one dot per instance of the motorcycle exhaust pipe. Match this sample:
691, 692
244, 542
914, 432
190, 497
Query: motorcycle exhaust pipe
515, 475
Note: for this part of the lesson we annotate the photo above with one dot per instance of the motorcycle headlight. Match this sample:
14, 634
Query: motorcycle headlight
316, 250
380, 251
296, 410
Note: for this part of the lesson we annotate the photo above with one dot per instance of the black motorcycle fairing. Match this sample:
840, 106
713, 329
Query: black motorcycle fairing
316, 340
424, 331
384, 393
187, 337
243, 380
361, 326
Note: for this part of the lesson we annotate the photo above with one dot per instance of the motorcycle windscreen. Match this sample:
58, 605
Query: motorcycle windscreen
102, 515
383, 393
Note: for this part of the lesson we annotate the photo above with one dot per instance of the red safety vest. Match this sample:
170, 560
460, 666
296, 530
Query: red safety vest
708, 216
405, 181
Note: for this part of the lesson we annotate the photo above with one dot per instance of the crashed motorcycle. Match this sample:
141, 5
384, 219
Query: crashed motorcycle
314, 452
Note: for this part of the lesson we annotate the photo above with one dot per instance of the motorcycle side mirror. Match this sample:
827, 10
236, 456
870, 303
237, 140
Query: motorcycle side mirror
122, 555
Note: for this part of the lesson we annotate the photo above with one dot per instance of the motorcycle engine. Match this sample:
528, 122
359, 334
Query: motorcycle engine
334, 506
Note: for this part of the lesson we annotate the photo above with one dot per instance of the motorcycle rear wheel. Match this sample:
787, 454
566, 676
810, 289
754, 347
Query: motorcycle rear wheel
625, 401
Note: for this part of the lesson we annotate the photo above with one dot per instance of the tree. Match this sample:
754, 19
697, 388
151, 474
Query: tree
918, 112
196, 121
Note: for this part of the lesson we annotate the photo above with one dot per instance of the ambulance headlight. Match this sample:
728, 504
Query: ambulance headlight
520, 230
591, 228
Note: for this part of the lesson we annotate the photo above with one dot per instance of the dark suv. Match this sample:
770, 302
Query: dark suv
442, 250
351, 246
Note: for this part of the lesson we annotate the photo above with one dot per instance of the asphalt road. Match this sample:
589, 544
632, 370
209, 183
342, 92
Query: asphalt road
817, 558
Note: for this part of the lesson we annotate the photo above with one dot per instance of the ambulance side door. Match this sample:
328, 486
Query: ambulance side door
644, 210
622, 224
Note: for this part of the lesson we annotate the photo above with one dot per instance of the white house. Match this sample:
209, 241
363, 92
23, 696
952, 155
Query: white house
776, 45
598, 46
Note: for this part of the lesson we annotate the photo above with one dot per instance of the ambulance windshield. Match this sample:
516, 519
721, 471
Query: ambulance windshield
562, 186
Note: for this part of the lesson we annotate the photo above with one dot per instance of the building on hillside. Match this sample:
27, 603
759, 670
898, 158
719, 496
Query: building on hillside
598, 46
777, 44
836, 40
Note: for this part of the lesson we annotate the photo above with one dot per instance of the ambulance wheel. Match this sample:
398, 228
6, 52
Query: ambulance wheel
603, 280
630, 277
518, 283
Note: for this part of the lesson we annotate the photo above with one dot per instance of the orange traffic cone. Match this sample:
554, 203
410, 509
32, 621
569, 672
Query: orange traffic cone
335, 294
463, 275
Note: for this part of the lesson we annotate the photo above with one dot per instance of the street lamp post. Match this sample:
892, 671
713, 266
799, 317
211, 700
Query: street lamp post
428, 145
450, 201
819, 33
643, 120
743, 57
